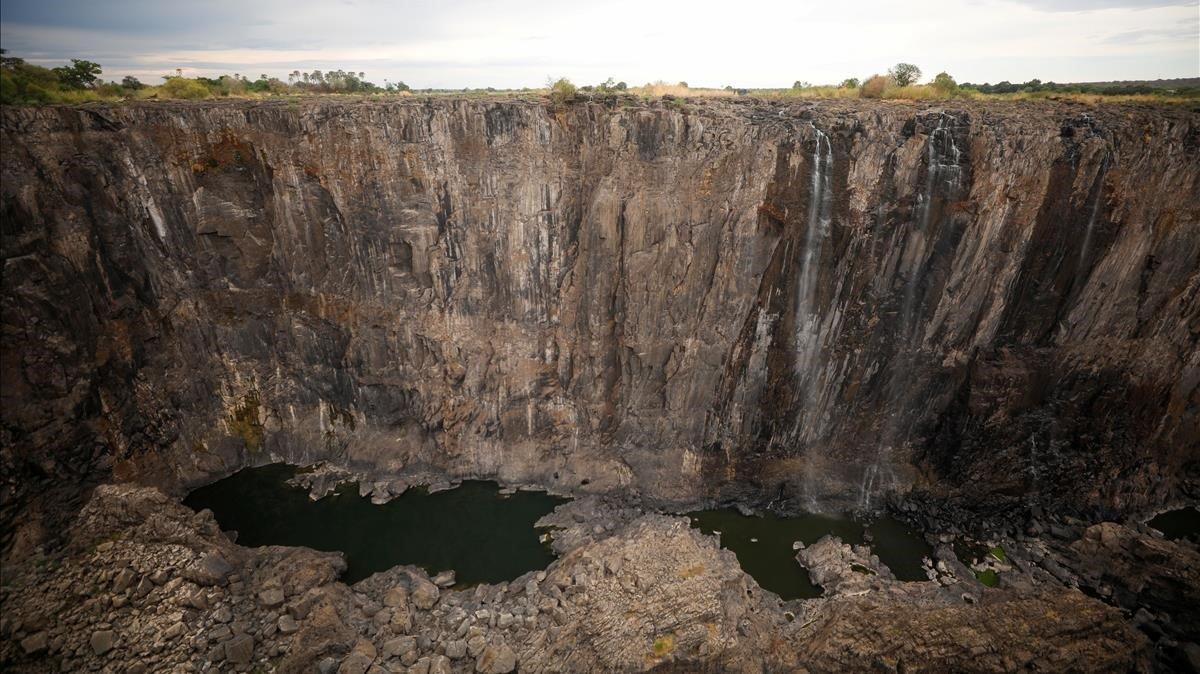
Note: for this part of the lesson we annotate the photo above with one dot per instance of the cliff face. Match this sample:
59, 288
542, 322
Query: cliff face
825, 301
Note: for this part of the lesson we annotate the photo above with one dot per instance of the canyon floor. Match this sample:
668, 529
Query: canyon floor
144, 584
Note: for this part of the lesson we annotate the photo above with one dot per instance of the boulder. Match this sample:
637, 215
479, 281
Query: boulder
223, 615
401, 620
287, 624
211, 569
365, 647
439, 664
102, 641
424, 593
240, 649
396, 597
271, 597
399, 647
496, 659
124, 579
174, 631
456, 649
34, 643
323, 633
355, 663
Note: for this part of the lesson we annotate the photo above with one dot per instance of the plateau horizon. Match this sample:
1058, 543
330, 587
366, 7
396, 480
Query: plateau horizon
24, 83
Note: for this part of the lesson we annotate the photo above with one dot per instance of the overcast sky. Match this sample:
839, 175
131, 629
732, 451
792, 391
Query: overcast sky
750, 43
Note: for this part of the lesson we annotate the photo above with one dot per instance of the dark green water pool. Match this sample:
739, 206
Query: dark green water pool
1176, 524
484, 536
763, 545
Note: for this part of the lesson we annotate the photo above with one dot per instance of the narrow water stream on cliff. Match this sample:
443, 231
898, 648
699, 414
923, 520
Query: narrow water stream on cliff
483, 535
763, 545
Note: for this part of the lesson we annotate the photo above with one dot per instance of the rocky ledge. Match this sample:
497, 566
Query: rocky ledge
144, 584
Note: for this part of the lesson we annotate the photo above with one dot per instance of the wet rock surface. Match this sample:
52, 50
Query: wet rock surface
649, 593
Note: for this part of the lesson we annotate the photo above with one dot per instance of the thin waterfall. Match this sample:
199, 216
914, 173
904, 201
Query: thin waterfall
868, 485
820, 208
808, 319
943, 176
942, 171
877, 478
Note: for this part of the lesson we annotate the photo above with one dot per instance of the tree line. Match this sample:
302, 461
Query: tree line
22, 82
904, 75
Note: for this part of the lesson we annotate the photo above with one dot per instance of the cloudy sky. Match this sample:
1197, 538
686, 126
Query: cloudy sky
751, 43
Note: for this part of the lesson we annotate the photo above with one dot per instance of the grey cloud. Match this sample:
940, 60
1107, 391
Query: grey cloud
1189, 31
123, 16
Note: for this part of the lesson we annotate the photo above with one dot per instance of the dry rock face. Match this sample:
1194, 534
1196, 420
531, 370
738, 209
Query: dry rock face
146, 585
1142, 571
825, 300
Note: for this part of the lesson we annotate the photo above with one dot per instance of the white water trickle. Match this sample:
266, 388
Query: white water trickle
808, 320
156, 217
879, 478
529, 411
820, 208
868, 485
942, 172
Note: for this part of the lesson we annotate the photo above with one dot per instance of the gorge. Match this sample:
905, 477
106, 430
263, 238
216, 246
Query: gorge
981, 317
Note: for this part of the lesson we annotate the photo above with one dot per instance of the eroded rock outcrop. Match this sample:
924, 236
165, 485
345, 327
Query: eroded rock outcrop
824, 301
145, 584
1156, 579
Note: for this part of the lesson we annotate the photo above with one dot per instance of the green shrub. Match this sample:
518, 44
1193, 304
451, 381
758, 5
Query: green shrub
21, 82
109, 90
562, 91
944, 84
230, 86
182, 87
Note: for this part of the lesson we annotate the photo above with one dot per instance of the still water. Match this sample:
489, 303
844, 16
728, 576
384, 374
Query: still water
1183, 523
484, 536
763, 545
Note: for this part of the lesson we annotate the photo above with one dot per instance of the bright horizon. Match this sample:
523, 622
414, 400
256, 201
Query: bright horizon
470, 43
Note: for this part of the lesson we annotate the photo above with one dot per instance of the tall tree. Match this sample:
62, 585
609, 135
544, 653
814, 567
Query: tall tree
80, 74
904, 74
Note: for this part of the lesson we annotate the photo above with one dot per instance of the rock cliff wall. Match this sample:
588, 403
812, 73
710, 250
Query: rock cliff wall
824, 302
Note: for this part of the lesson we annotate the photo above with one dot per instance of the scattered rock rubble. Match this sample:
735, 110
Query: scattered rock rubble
146, 585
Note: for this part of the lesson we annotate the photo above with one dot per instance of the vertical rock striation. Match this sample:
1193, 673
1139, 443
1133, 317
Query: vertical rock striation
827, 301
